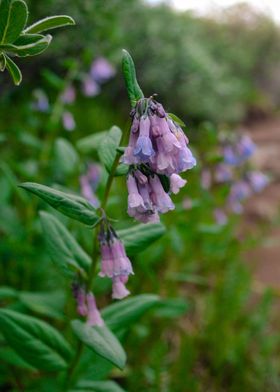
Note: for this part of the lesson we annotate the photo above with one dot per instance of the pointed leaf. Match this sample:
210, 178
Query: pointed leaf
44, 303
36, 342
13, 17
64, 250
2, 62
49, 23
133, 89
97, 386
31, 46
177, 120
73, 206
102, 341
107, 151
13, 70
121, 314
139, 237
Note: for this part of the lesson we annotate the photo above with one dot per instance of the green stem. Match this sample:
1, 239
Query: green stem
93, 265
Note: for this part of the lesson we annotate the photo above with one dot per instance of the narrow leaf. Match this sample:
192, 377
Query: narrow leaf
177, 120
32, 46
139, 237
2, 62
73, 206
36, 342
64, 250
124, 313
133, 89
44, 303
49, 23
102, 341
13, 18
13, 70
97, 386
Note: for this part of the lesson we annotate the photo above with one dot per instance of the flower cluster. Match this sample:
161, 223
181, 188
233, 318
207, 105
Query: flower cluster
86, 305
157, 152
114, 262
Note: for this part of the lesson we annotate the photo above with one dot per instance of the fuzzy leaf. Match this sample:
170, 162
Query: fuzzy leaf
14, 70
121, 314
139, 237
102, 341
44, 303
36, 342
73, 206
64, 250
49, 23
13, 18
133, 89
97, 386
108, 150
28, 46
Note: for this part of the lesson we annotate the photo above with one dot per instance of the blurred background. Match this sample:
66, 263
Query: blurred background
216, 64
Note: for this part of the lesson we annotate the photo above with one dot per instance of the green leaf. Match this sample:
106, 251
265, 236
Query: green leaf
13, 18
73, 206
13, 70
133, 89
44, 303
10, 356
36, 342
64, 250
102, 341
177, 120
92, 142
107, 151
66, 157
2, 62
121, 314
49, 23
139, 237
97, 386
7, 293
172, 308
30, 46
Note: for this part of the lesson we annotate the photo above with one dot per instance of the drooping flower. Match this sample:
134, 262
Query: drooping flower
93, 315
114, 262
68, 121
90, 87
239, 191
176, 183
143, 150
101, 70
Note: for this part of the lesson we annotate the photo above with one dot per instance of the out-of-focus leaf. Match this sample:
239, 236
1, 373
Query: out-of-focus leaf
14, 70
73, 206
133, 89
97, 386
102, 341
92, 142
46, 304
36, 342
30, 45
13, 18
107, 150
66, 156
176, 119
8, 292
172, 308
122, 314
2, 62
10, 356
139, 237
49, 23
64, 250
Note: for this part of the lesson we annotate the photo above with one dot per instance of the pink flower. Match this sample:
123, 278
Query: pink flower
93, 317
176, 183
68, 121
119, 289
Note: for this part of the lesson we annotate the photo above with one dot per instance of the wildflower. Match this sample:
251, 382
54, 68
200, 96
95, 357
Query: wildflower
101, 70
206, 179
114, 262
257, 180
93, 315
176, 183
239, 152
68, 121
220, 217
41, 101
223, 173
69, 95
239, 192
90, 87
144, 149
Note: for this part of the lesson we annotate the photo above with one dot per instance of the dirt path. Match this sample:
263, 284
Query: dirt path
265, 207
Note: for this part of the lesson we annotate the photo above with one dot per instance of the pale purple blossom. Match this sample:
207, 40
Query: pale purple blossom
119, 289
143, 150
176, 183
257, 180
239, 191
223, 173
41, 102
90, 87
238, 153
220, 217
93, 315
101, 70
69, 95
68, 121
206, 179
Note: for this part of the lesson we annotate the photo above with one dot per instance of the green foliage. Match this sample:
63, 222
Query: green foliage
134, 91
36, 342
101, 341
